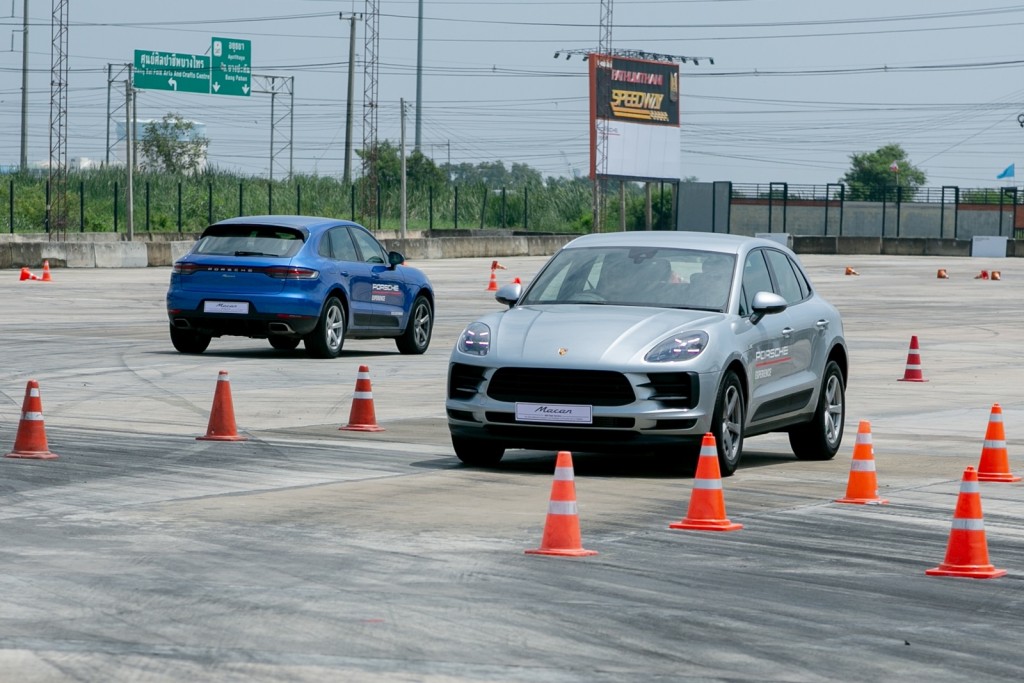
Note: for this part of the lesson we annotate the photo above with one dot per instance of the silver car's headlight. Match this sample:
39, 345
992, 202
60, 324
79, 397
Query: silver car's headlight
679, 347
475, 339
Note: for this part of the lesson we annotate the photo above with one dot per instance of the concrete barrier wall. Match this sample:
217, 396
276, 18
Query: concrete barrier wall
161, 253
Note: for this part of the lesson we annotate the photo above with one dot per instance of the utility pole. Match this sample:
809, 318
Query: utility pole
419, 75
405, 206
24, 89
129, 136
346, 176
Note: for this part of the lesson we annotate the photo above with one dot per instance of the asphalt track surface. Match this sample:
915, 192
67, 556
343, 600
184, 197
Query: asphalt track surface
308, 553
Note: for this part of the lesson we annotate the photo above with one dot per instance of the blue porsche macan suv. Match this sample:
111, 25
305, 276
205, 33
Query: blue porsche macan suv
291, 279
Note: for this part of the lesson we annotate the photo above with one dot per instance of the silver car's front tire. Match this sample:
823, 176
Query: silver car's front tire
727, 423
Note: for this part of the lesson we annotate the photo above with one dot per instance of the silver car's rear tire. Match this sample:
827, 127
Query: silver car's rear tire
477, 452
820, 438
727, 423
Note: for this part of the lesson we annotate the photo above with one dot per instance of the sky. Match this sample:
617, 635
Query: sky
796, 88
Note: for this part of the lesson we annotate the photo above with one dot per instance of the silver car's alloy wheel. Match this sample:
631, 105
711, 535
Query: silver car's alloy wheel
732, 423
820, 437
833, 413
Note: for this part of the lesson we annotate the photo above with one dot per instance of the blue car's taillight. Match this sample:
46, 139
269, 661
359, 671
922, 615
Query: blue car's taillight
291, 273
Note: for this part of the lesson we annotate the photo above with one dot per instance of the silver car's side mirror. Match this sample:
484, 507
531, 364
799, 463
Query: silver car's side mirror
766, 303
509, 294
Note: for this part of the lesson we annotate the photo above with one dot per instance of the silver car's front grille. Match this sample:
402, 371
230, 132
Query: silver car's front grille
542, 385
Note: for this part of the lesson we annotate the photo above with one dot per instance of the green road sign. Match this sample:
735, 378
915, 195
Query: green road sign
171, 71
231, 67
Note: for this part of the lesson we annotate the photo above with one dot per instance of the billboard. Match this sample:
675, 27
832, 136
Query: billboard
634, 111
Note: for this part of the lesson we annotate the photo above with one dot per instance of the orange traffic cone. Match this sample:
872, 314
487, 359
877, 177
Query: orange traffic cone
30, 442
707, 503
361, 417
967, 551
995, 465
222, 415
46, 272
942, 274
913, 372
562, 526
862, 488
497, 266
492, 286
983, 275
851, 271
996, 275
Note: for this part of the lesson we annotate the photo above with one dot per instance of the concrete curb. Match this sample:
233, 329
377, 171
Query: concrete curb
105, 251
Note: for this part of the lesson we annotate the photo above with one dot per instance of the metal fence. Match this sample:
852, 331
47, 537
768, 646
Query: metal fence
188, 205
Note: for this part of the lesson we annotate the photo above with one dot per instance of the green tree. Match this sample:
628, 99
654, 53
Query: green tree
172, 145
875, 175
420, 170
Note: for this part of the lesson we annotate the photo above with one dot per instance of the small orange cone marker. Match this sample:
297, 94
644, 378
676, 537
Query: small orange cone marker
30, 442
913, 372
362, 417
967, 551
222, 415
492, 285
996, 275
707, 503
46, 272
862, 487
497, 266
562, 526
995, 464
942, 274
26, 274
851, 271
983, 275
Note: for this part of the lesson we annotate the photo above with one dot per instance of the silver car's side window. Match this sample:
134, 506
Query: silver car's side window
755, 279
785, 279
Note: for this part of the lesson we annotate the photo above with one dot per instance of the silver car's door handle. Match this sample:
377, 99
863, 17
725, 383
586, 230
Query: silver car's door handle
821, 325
787, 331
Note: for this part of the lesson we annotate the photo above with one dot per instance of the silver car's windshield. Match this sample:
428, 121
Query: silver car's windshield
635, 276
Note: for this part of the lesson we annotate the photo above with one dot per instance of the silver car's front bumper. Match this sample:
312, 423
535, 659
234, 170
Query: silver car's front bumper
626, 409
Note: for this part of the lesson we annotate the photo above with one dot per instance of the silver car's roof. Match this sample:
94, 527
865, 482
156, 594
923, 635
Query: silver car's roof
668, 239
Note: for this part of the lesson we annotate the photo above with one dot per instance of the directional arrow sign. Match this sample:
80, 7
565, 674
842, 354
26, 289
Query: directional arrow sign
231, 66
171, 71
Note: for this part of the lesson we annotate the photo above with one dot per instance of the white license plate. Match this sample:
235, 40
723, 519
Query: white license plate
225, 307
550, 412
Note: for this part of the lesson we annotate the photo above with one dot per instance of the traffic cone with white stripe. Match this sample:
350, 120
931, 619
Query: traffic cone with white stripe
222, 416
707, 503
30, 442
562, 526
362, 417
913, 372
862, 487
46, 272
967, 551
995, 464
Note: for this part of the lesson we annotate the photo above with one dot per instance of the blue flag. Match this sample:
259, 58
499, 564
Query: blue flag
1007, 172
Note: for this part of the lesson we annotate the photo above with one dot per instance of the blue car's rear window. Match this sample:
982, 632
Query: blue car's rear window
249, 240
